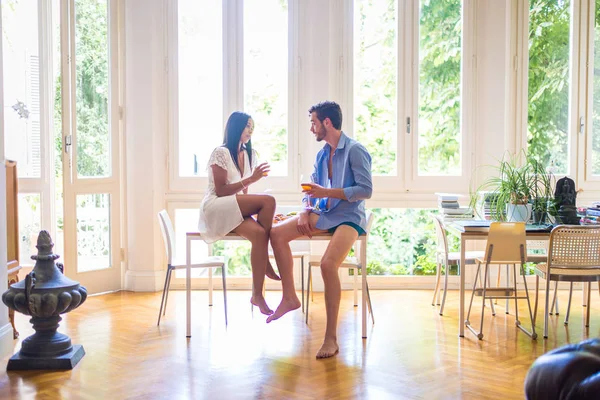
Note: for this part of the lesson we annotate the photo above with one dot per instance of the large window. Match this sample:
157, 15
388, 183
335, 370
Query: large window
200, 88
440, 31
266, 79
21, 63
549, 85
376, 81
26, 123
92, 89
593, 143
226, 57
407, 89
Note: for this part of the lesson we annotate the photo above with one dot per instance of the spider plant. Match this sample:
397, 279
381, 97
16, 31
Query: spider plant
517, 181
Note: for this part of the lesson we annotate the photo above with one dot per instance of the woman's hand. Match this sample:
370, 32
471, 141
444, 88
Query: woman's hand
260, 171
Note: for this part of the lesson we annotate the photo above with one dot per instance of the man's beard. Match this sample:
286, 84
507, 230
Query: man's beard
320, 136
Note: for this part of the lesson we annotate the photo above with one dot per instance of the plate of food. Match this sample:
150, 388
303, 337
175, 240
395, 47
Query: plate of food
282, 217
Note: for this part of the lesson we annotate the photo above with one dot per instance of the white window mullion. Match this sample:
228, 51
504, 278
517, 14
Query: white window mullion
577, 89
46, 95
590, 176
407, 129
458, 180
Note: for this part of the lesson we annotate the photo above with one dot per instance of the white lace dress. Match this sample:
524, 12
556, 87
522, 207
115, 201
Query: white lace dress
220, 215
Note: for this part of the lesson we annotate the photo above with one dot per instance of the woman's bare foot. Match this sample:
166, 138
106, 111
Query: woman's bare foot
284, 307
271, 272
262, 305
329, 348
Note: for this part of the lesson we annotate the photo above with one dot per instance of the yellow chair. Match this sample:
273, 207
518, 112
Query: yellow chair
506, 244
573, 256
536, 258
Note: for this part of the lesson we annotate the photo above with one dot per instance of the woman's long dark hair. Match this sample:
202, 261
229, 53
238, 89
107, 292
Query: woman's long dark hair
236, 124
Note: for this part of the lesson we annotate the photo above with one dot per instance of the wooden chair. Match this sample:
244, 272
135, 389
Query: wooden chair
506, 244
573, 256
12, 231
168, 233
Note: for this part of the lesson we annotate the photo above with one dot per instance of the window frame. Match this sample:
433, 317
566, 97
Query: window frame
44, 184
233, 96
581, 90
589, 181
407, 179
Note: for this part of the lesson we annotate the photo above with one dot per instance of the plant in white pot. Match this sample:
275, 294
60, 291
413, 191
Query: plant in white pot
510, 189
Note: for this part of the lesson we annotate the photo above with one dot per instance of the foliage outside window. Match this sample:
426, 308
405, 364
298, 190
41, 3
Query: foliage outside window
266, 79
93, 132
403, 242
595, 154
376, 80
92, 88
548, 96
440, 30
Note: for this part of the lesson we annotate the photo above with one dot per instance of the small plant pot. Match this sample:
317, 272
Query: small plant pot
518, 212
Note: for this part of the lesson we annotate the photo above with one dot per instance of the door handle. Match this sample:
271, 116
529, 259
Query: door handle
68, 144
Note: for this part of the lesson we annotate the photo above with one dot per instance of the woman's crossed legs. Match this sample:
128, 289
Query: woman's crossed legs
257, 232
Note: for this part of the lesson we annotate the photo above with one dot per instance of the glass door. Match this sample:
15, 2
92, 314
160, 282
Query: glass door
90, 143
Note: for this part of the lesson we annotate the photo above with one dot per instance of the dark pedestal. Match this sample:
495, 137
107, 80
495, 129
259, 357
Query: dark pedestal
65, 361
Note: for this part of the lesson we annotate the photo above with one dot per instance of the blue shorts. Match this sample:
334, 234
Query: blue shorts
356, 227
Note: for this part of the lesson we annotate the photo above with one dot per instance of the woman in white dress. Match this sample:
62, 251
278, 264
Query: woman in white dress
228, 207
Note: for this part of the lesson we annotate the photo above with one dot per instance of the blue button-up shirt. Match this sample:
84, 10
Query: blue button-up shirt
351, 171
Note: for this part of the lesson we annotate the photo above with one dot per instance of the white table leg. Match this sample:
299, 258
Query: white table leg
461, 302
363, 263
210, 286
188, 287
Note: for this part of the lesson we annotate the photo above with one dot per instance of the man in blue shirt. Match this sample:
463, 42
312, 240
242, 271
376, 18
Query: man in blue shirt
341, 182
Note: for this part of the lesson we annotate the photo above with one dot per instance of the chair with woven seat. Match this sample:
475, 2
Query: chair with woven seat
350, 263
168, 234
446, 258
506, 244
573, 256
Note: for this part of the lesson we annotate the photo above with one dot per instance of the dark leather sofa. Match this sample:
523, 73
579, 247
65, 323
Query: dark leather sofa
568, 373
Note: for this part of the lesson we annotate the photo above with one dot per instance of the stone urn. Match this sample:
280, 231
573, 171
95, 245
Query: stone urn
45, 293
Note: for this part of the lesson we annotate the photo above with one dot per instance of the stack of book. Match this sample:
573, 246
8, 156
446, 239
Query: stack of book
592, 214
484, 201
450, 209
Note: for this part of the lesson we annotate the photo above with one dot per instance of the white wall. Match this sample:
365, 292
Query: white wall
145, 141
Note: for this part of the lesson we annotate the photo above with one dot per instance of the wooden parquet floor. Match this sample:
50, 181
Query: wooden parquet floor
411, 352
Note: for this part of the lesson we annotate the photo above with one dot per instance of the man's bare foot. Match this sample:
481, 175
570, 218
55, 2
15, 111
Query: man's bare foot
262, 305
329, 348
271, 272
284, 307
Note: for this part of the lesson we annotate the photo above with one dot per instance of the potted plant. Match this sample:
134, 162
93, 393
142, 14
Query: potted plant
542, 200
521, 185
